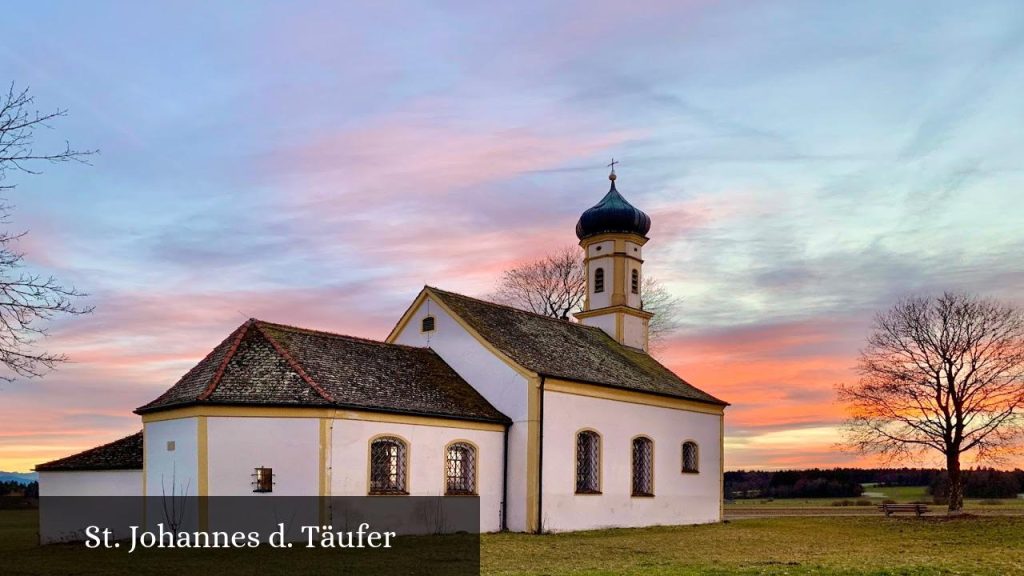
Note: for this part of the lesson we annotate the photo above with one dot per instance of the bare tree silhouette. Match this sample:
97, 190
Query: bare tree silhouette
556, 286
943, 374
27, 299
174, 505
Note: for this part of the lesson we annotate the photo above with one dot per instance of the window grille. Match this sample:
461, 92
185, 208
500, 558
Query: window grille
643, 467
428, 324
588, 463
263, 480
636, 282
387, 466
690, 457
460, 469
599, 280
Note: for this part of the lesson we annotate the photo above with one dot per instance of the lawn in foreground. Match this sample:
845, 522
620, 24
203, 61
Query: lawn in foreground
816, 545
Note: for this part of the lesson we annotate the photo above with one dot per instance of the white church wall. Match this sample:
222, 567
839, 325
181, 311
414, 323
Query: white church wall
679, 498
172, 457
603, 248
91, 483
605, 322
494, 379
350, 450
239, 445
503, 387
55, 525
634, 333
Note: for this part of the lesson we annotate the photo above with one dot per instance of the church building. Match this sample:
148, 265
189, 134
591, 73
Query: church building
556, 425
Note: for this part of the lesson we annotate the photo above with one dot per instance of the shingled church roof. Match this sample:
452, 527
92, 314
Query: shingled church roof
123, 454
266, 364
568, 350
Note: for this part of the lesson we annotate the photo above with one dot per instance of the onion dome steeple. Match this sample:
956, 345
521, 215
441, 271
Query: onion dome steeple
612, 235
613, 214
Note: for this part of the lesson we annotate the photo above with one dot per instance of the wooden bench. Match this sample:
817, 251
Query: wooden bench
891, 509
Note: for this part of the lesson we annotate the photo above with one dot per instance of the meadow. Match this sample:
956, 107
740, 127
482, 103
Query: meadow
803, 545
866, 504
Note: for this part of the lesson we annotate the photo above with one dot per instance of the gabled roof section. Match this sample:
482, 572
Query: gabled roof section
267, 364
123, 454
567, 350
246, 368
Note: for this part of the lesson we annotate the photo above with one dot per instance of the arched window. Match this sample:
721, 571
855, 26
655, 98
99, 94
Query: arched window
690, 455
599, 280
643, 466
588, 462
388, 466
636, 281
460, 469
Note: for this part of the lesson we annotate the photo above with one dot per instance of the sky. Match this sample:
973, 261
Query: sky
805, 165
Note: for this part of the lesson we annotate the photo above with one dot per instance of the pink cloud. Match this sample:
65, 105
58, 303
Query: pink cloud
420, 197
137, 345
412, 154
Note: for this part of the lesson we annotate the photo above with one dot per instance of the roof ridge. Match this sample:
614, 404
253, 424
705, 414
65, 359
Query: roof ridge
514, 309
314, 331
197, 367
295, 365
237, 336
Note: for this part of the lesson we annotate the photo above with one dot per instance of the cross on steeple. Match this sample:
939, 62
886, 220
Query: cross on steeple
612, 166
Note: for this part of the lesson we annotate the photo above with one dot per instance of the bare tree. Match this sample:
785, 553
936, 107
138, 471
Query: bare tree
943, 374
556, 286
27, 299
666, 307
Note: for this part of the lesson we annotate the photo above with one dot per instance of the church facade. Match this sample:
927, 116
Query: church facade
555, 425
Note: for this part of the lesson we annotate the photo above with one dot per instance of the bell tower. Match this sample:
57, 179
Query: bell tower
612, 234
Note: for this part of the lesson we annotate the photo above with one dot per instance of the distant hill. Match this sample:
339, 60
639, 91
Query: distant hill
19, 477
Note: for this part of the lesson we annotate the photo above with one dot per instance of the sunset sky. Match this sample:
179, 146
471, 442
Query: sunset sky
805, 164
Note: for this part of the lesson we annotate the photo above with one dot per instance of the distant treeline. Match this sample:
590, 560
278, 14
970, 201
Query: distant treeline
11, 488
981, 483
847, 482
814, 483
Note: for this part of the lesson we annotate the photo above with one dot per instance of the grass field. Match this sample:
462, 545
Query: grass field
897, 493
901, 493
796, 546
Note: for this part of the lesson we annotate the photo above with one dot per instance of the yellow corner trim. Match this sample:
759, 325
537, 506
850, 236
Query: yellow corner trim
325, 449
144, 459
310, 412
721, 466
203, 448
406, 317
619, 395
533, 522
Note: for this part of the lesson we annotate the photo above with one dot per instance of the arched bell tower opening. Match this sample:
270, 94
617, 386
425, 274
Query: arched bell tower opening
612, 235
